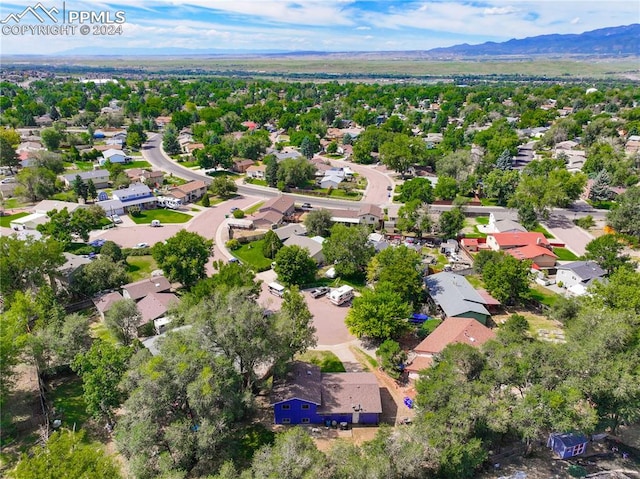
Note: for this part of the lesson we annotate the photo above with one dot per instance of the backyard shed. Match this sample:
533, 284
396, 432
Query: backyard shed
567, 445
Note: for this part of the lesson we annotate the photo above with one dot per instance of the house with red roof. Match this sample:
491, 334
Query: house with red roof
539, 256
451, 331
524, 246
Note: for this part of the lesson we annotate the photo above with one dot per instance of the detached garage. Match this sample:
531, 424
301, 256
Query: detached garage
568, 444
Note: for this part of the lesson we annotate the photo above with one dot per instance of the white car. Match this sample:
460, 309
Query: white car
141, 246
116, 219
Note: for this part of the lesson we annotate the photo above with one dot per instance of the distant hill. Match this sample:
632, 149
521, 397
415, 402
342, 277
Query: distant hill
612, 41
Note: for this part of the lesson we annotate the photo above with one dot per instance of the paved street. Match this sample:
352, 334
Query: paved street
576, 239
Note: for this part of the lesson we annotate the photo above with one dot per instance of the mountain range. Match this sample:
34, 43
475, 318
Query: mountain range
610, 42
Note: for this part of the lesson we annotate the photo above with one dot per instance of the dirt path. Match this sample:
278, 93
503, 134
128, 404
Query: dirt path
392, 394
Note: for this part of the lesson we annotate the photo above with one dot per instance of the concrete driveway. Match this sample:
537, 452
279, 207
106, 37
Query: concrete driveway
575, 239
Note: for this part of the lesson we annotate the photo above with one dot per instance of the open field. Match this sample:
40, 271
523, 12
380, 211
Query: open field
353, 66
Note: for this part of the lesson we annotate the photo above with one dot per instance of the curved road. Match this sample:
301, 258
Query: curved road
376, 188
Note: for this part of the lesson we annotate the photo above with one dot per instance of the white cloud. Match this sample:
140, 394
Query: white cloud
363, 28
575, 21
499, 10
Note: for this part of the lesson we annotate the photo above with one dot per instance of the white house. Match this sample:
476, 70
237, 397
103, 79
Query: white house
578, 275
100, 178
113, 155
330, 181
256, 171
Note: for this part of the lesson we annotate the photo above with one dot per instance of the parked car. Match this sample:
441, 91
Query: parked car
306, 206
389, 188
155, 223
317, 292
141, 246
116, 219
234, 209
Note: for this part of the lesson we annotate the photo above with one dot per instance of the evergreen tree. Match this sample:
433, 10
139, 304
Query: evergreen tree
80, 188
170, 141
600, 190
91, 190
504, 161
306, 148
271, 172
527, 216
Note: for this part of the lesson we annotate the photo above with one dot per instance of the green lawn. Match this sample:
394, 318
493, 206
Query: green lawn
482, 220
140, 267
256, 181
254, 208
13, 203
136, 164
338, 193
165, 216
540, 229
564, 254
99, 330
69, 403
5, 220
543, 295
189, 164
488, 202
83, 166
222, 173
251, 254
328, 361
475, 280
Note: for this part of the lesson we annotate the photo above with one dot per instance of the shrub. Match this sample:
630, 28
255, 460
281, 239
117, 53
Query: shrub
586, 222
427, 328
205, 201
238, 214
134, 210
233, 244
560, 284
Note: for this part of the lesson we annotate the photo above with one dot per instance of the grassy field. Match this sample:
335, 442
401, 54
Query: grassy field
251, 254
543, 295
165, 216
140, 267
136, 164
69, 404
364, 67
83, 166
328, 362
482, 220
564, 254
6, 220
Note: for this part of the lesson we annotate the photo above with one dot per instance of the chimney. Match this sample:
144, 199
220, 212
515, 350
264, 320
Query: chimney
538, 240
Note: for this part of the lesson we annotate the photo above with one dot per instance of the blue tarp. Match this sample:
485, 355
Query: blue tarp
418, 318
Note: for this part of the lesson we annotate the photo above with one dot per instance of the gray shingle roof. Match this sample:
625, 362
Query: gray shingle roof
303, 381
87, 175
586, 270
454, 294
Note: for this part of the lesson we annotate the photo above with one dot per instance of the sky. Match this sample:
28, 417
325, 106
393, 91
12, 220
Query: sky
303, 25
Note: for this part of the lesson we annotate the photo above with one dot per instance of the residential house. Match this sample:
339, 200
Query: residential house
455, 296
189, 192
29, 222
256, 171
524, 156
292, 229
100, 178
162, 121
567, 445
134, 174
312, 245
281, 204
505, 241
191, 148
450, 246
367, 214
72, 265
632, 146
470, 244
267, 219
241, 165
539, 256
140, 289
155, 177
136, 194
49, 205
577, 276
503, 224
307, 396
330, 181
154, 306
451, 331
104, 303
112, 155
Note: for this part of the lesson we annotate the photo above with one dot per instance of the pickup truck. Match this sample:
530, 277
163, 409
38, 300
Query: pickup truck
317, 292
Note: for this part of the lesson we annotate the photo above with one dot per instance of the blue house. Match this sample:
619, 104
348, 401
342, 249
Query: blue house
567, 445
306, 396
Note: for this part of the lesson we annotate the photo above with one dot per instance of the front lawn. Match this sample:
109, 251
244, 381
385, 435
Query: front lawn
564, 254
254, 208
140, 267
136, 164
83, 166
351, 195
482, 220
6, 220
251, 254
69, 404
541, 229
13, 203
256, 181
189, 164
328, 361
221, 173
488, 202
165, 216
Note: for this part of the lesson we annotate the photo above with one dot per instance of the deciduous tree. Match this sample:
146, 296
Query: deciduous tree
381, 314
271, 244
183, 257
348, 249
607, 250
294, 266
318, 222
123, 319
507, 278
